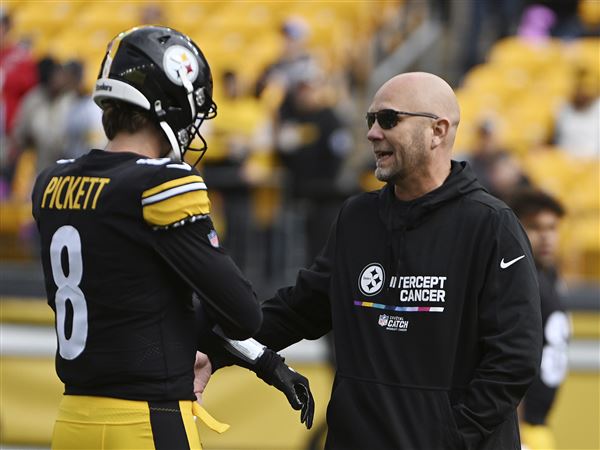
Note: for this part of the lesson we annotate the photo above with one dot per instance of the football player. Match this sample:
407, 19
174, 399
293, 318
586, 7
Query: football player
541, 214
126, 239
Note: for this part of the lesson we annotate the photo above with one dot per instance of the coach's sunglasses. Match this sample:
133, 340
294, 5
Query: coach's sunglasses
388, 118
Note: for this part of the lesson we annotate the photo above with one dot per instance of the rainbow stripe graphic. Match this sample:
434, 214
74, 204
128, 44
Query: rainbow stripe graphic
399, 308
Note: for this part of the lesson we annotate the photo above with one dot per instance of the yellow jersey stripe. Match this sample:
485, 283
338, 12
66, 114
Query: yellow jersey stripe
171, 184
176, 208
173, 192
112, 51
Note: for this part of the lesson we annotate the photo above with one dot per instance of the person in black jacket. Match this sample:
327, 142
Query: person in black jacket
541, 214
312, 143
430, 287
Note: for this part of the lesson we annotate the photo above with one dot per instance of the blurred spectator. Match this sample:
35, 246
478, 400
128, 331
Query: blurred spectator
152, 14
484, 151
83, 129
312, 144
536, 23
505, 175
567, 24
554, 18
40, 123
489, 21
238, 132
576, 126
18, 74
589, 14
540, 215
293, 59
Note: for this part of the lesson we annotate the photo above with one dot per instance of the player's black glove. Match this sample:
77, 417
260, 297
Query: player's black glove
273, 370
269, 366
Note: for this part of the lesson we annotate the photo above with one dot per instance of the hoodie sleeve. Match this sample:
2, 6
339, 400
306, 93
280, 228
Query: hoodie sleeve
510, 335
302, 311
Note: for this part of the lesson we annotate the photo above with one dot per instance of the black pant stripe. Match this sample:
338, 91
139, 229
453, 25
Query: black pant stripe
168, 430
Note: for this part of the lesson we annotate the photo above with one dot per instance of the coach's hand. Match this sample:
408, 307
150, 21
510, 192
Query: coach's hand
273, 370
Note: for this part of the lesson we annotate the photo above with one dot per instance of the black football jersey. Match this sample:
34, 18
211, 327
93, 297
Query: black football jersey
125, 240
540, 397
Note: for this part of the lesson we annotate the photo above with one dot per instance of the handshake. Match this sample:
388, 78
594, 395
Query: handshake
268, 365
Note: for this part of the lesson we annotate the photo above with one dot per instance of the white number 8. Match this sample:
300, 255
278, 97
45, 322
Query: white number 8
67, 237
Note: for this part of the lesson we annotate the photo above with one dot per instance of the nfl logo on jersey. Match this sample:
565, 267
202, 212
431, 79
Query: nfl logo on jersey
383, 320
213, 238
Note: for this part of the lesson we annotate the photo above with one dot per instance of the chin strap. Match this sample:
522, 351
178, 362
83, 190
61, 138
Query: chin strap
177, 152
160, 113
187, 84
175, 144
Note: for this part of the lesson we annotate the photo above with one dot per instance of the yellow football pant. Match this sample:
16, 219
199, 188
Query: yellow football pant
537, 437
114, 424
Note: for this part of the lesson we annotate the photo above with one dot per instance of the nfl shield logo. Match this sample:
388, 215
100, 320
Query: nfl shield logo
213, 238
383, 320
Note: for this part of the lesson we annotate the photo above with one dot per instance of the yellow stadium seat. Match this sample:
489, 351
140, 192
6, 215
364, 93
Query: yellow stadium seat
25, 173
111, 20
475, 103
484, 78
191, 17
529, 122
553, 82
585, 187
585, 53
580, 252
73, 44
16, 212
475, 106
43, 19
11, 6
573, 181
516, 51
589, 12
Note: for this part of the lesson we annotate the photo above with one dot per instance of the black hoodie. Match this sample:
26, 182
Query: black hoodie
436, 314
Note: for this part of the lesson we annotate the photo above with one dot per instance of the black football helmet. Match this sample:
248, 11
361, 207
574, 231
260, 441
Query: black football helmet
160, 70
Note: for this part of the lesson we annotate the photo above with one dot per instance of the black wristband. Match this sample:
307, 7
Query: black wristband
266, 365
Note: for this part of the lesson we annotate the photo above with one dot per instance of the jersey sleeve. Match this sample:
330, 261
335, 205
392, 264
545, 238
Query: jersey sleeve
177, 194
176, 205
226, 294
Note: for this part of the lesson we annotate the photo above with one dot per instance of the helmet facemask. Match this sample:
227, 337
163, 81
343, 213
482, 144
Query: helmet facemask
195, 154
202, 108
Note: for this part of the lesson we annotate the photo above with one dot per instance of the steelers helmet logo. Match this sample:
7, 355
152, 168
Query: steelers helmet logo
177, 57
371, 279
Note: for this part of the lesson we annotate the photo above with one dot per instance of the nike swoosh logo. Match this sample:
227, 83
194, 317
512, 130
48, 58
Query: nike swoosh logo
504, 265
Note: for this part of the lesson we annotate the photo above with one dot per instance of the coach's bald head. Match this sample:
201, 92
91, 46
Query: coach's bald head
423, 92
415, 153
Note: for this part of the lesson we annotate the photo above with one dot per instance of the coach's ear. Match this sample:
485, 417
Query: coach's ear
440, 128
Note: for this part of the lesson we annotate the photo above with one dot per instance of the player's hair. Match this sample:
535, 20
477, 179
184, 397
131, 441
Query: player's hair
124, 117
529, 201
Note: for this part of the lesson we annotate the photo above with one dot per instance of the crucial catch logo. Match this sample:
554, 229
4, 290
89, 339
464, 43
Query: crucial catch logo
393, 323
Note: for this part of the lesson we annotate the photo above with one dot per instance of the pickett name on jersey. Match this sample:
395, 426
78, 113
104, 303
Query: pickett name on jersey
72, 192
